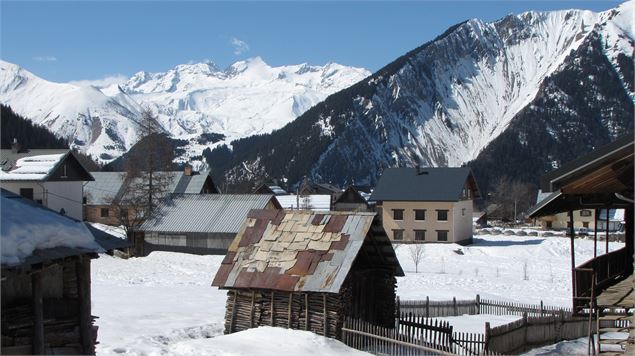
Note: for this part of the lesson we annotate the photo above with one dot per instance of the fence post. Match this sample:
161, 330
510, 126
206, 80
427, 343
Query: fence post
526, 327
541, 307
454, 305
487, 336
427, 307
478, 304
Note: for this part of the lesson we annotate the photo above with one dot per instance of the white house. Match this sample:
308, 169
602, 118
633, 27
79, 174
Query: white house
51, 177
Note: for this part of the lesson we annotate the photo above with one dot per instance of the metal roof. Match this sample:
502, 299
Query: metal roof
305, 251
220, 213
423, 184
111, 185
104, 188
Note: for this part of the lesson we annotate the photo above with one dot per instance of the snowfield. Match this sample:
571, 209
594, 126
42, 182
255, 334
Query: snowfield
164, 303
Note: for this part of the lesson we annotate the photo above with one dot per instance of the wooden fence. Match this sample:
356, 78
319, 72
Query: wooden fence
529, 332
433, 309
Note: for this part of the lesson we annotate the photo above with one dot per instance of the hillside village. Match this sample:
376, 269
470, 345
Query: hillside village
475, 196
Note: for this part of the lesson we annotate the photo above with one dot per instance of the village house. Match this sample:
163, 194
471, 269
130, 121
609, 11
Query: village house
197, 223
426, 204
351, 200
315, 202
51, 177
104, 195
269, 188
584, 218
46, 293
309, 271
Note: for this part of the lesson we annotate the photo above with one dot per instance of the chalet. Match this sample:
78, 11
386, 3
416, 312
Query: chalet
308, 270
602, 286
426, 204
584, 218
309, 187
109, 189
46, 296
351, 200
52, 177
197, 223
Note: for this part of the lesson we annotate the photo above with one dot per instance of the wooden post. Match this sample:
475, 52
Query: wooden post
251, 309
454, 305
607, 232
541, 307
427, 307
326, 326
289, 312
572, 232
478, 304
38, 313
525, 326
591, 344
233, 317
487, 336
82, 268
272, 309
306, 307
595, 234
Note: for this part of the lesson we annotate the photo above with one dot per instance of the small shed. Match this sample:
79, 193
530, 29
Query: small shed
46, 304
309, 270
351, 200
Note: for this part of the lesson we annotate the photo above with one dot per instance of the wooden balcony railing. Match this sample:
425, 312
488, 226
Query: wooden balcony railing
608, 269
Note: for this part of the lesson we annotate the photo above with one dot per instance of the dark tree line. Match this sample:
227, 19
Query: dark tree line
32, 136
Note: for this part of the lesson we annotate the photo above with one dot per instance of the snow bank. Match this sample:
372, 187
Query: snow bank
26, 228
265, 341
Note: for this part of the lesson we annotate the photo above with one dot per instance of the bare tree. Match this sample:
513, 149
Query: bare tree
416, 254
147, 174
510, 199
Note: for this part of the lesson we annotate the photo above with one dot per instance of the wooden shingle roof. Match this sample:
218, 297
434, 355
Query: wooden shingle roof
302, 250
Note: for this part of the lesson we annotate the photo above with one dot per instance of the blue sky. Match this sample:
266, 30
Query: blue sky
65, 41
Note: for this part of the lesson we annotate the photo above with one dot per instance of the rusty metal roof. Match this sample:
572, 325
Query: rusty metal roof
300, 250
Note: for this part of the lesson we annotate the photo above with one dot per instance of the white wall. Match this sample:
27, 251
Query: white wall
54, 195
462, 212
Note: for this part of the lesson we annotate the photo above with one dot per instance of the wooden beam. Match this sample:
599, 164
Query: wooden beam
572, 232
38, 313
595, 234
326, 324
82, 268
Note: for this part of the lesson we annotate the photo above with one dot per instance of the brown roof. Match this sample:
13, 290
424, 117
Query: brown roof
301, 250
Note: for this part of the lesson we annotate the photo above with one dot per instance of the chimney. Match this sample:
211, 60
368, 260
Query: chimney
15, 146
187, 170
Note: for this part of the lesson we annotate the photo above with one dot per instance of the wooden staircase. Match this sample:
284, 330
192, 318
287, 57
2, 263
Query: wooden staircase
614, 329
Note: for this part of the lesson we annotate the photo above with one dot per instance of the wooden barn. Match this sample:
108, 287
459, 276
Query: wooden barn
309, 270
46, 303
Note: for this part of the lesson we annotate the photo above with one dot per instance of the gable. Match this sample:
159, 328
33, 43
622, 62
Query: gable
70, 169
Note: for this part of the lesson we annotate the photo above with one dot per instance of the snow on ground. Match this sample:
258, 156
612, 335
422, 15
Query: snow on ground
164, 303
278, 341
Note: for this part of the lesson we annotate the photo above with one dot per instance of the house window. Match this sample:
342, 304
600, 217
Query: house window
397, 235
585, 224
463, 212
84, 200
420, 235
585, 213
442, 215
549, 224
442, 235
397, 214
420, 214
27, 193
568, 224
104, 212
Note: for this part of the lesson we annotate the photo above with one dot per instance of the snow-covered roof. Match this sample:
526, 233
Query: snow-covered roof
28, 226
614, 214
315, 202
36, 167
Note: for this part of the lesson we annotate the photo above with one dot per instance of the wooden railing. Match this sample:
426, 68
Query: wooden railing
607, 269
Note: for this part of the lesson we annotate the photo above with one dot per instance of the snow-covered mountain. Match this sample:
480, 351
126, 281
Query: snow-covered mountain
250, 97
444, 103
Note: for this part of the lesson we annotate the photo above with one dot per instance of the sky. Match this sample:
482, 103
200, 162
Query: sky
105, 41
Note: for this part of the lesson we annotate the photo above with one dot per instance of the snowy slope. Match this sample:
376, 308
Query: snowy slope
443, 103
250, 97
102, 126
